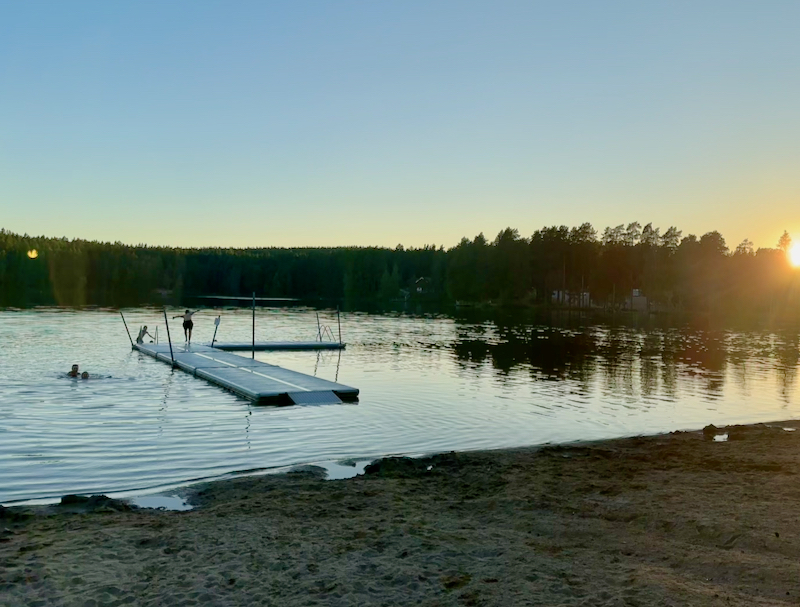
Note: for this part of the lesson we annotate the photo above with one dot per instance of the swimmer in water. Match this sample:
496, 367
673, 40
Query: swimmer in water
85, 375
73, 372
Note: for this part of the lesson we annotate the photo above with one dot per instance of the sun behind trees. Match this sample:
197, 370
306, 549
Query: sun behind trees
556, 266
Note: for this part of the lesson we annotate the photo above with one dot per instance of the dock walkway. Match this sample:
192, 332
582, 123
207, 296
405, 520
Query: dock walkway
255, 380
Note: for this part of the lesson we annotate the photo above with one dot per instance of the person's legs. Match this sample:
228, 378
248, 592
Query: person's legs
190, 334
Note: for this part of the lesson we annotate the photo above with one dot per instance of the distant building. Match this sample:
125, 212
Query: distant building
638, 302
422, 285
575, 299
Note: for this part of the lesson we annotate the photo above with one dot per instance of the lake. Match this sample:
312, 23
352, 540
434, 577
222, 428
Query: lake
429, 383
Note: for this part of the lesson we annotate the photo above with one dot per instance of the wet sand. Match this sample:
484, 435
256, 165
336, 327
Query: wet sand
676, 519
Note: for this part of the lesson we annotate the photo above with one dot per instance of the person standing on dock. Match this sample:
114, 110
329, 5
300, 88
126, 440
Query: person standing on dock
187, 324
142, 333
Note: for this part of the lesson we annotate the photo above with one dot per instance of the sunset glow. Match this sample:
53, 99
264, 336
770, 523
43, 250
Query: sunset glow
794, 255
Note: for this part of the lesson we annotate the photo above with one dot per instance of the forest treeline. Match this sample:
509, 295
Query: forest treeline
556, 265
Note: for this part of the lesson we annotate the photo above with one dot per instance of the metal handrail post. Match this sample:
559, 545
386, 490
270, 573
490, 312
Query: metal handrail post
171, 355
216, 326
126, 328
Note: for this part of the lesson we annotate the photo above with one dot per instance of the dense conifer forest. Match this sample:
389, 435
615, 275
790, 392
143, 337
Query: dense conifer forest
621, 268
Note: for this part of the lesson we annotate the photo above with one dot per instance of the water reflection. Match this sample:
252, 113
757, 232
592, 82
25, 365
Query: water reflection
788, 355
429, 382
628, 361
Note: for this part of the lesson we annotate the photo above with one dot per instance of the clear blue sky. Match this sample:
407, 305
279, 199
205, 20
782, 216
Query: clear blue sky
376, 123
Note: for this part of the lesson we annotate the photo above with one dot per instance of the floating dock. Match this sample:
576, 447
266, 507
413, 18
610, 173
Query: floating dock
257, 381
261, 346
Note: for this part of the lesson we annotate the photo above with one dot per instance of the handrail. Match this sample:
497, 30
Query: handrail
126, 328
171, 355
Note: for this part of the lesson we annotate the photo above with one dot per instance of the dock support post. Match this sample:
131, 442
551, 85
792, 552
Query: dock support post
171, 355
216, 326
339, 322
319, 329
254, 325
126, 328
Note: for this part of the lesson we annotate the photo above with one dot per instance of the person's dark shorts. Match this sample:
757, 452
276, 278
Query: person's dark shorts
187, 325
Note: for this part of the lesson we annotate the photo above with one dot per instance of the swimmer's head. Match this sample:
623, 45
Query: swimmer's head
145, 327
187, 311
85, 375
75, 368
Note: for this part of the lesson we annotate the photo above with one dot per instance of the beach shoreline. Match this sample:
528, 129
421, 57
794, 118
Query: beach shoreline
669, 519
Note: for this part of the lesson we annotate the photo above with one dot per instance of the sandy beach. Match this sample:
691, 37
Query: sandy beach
678, 519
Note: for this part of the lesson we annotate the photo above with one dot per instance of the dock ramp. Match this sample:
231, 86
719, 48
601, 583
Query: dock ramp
323, 397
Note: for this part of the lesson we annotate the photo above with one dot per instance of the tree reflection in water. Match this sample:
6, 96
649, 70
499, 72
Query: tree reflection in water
630, 360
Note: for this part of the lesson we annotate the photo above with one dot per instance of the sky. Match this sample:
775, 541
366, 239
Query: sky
338, 123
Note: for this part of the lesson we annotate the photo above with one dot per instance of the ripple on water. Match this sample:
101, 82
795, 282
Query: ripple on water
427, 384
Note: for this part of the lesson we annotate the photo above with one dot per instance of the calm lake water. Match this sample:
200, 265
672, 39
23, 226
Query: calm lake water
428, 384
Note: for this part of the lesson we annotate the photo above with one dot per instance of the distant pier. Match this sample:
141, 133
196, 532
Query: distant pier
261, 346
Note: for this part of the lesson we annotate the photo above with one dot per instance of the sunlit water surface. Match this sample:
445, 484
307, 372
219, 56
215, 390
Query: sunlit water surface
428, 384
